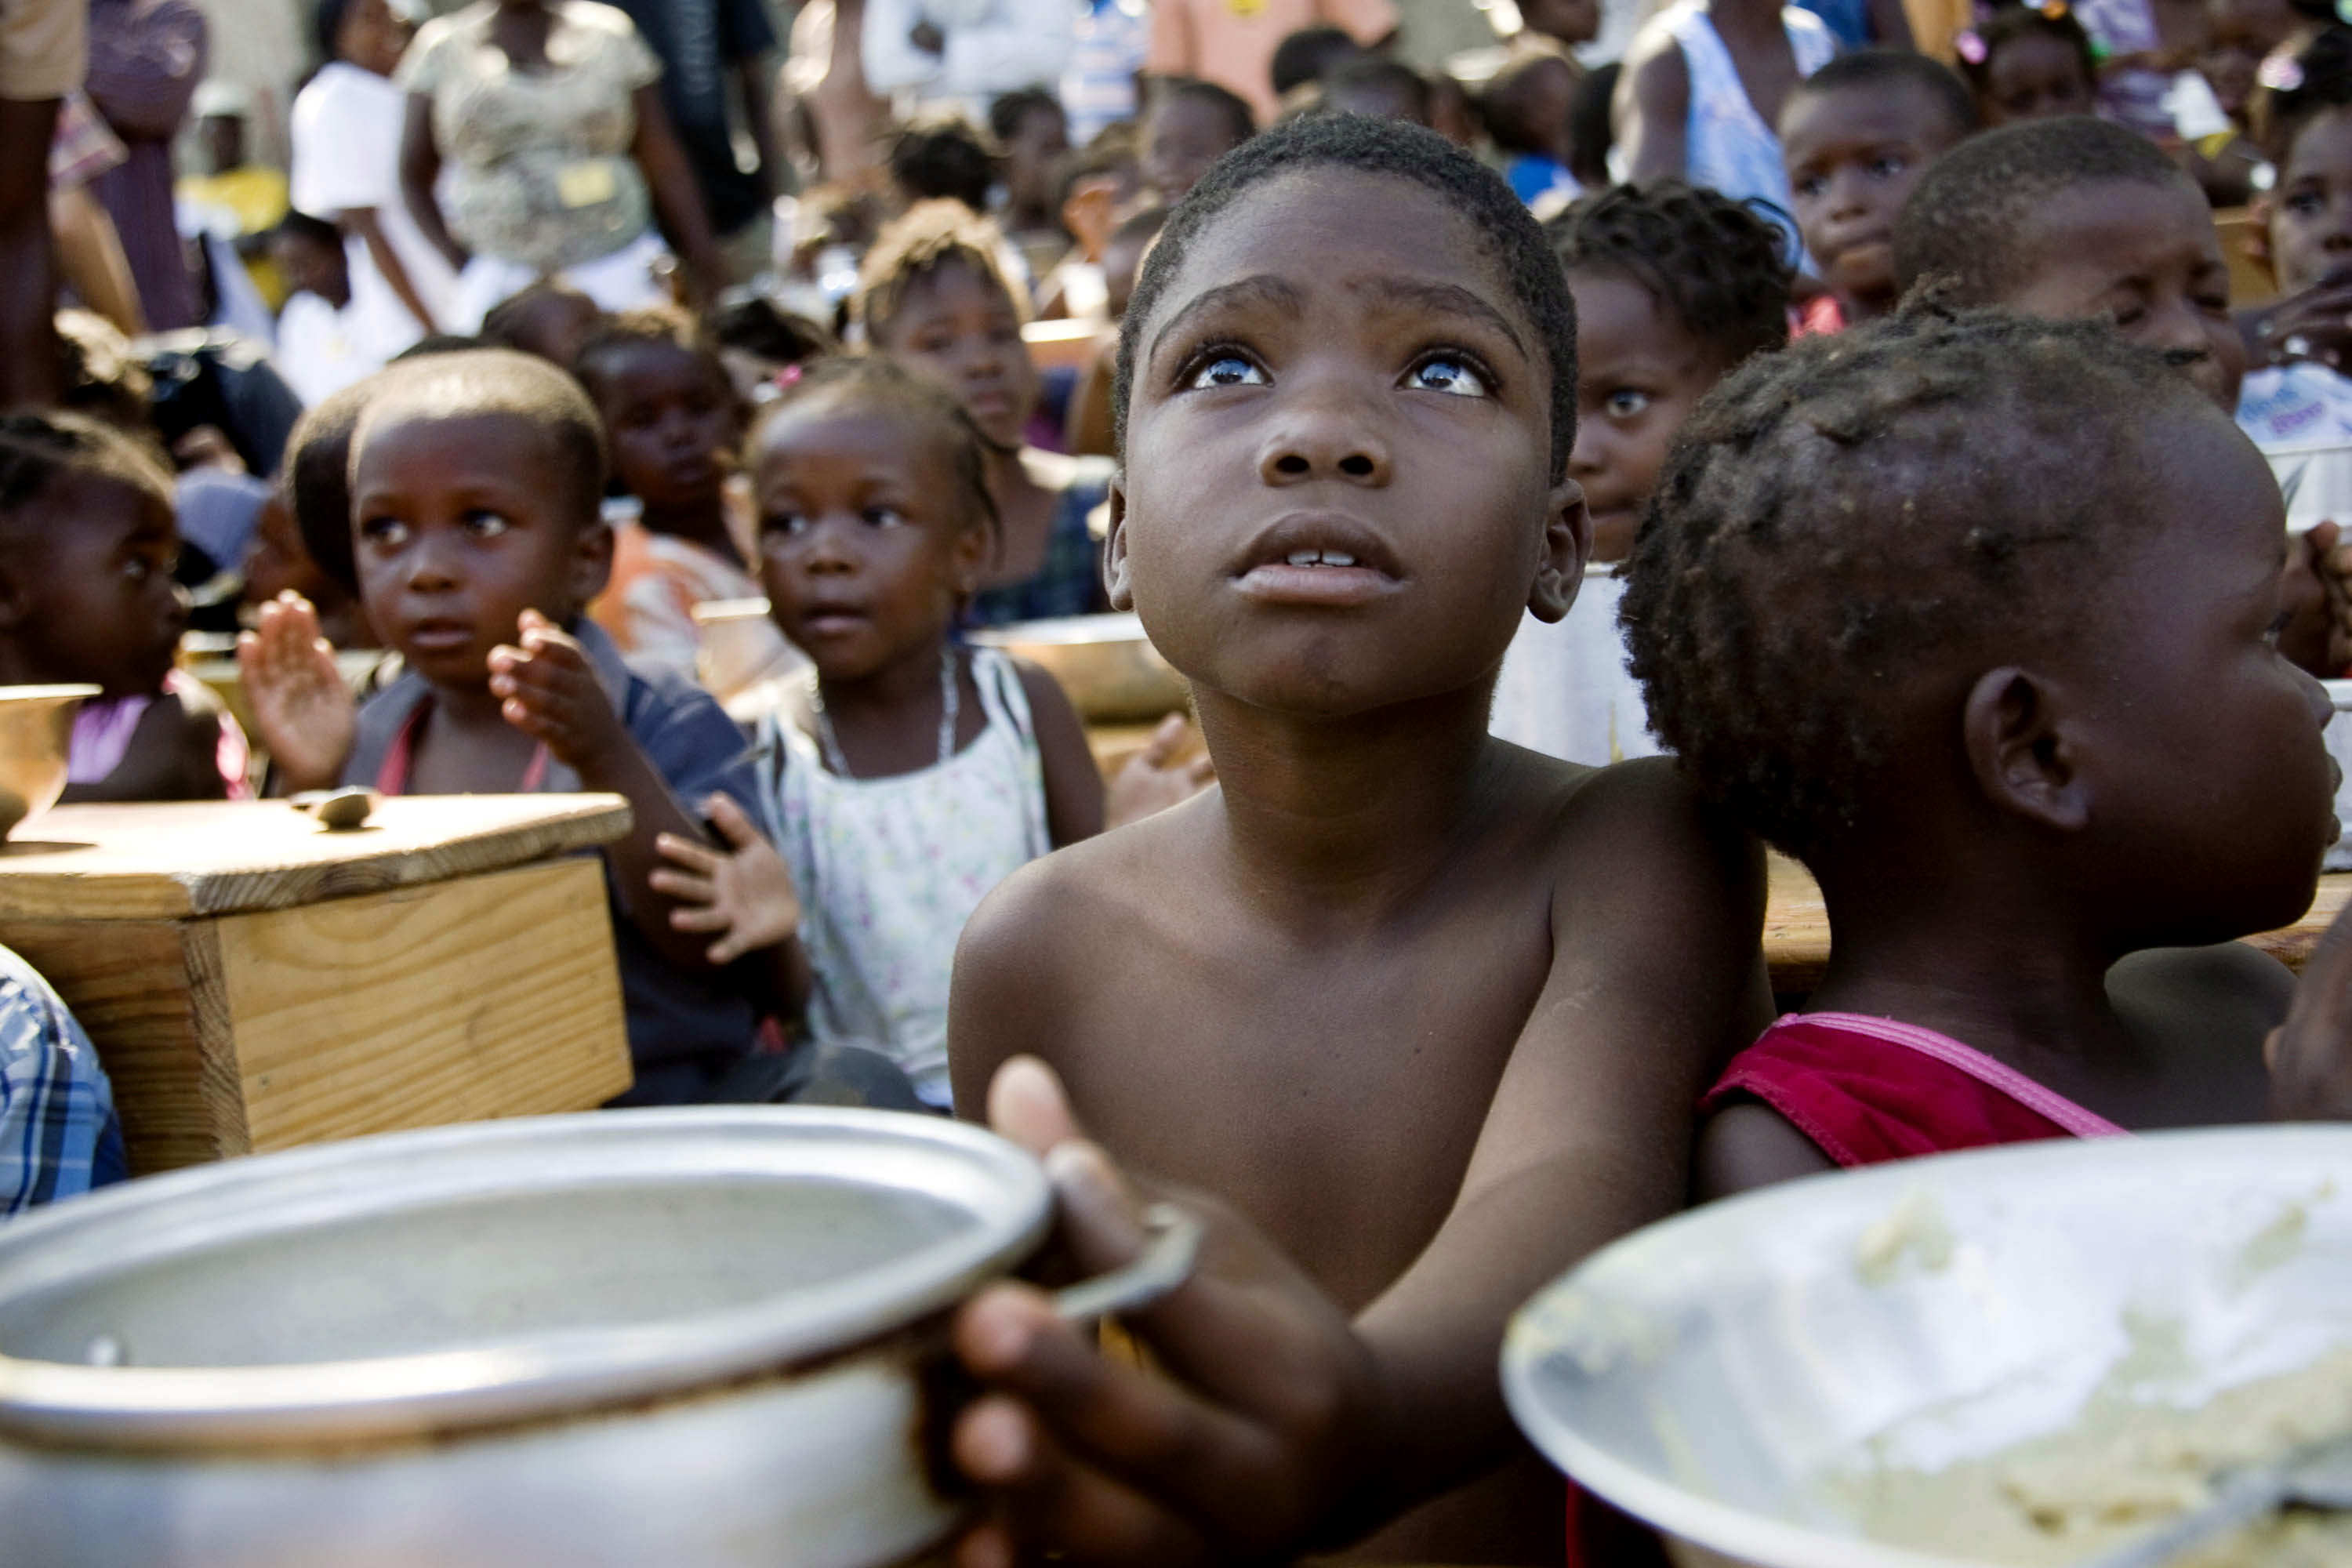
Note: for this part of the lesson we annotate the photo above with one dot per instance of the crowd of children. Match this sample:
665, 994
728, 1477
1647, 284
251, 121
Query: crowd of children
1537, 547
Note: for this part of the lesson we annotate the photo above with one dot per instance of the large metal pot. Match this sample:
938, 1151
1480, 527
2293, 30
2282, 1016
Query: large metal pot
683, 1337
35, 733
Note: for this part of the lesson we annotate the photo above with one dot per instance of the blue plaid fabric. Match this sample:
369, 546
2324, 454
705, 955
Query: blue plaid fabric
58, 1135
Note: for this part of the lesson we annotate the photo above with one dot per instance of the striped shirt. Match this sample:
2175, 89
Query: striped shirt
58, 1135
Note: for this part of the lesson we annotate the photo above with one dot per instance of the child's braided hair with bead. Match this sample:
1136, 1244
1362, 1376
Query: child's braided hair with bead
1846, 530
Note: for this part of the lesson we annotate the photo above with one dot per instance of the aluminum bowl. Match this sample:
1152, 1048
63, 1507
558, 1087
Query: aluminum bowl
35, 733
1109, 668
1709, 1374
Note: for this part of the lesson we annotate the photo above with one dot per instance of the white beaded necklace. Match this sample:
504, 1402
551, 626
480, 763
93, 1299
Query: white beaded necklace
950, 703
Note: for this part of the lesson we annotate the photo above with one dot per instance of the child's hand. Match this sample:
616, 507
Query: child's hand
1153, 780
549, 691
743, 893
1250, 1444
2311, 1054
2316, 325
302, 708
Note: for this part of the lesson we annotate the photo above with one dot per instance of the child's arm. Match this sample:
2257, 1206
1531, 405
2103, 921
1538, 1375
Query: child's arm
1651, 111
550, 693
303, 714
1278, 1429
1752, 1145
743, 898
1074, 785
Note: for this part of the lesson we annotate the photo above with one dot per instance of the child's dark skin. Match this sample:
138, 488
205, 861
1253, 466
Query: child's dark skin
1638, 372
2064, 804
670, 418
2146, 255
2036, 76
473, 548
1428, 1010
1853, 153
87, 597
1182, 137
554, 327
2306, 235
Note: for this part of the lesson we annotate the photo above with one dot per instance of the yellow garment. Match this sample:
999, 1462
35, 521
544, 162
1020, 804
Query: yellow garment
257, 198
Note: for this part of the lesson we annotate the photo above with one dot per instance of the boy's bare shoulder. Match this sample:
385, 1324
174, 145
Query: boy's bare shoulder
1643, 814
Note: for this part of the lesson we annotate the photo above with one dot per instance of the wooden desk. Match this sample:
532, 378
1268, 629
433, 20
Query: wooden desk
1796, 927
252, 981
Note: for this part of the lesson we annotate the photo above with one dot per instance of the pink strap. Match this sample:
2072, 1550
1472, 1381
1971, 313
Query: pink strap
2046, 1102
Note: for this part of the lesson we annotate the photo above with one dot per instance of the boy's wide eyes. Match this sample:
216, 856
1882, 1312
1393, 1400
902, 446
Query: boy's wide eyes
1227, 370
1625, 403
387, 532
486, 525
1446, 372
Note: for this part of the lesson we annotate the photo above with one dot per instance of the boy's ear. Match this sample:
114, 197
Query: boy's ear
2025, 749
592, 562
1116, 577
1567, 541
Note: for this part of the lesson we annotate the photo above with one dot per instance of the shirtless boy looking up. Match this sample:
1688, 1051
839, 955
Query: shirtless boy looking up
1428, 1010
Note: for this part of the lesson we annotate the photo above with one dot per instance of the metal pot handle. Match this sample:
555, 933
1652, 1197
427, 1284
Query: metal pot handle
1172, 1244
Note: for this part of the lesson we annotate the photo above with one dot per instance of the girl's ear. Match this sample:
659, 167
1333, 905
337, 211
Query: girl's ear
969, 556
1567, 542
2025, 750
1116, 577
2254, 239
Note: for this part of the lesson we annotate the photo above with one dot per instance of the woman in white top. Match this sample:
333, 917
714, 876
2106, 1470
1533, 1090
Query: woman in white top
1702, 91
547, 117
346, 170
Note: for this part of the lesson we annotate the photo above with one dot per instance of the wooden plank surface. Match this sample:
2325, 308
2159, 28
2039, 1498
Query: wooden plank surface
489, 995
169, 861
150, 996
1796, 927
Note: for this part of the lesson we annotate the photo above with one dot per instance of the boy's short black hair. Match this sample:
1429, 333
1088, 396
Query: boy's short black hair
1511, 236
503, 324
39, 447
758, 325
1379, 74
1721, 269
2007, 24
318, 231
940, 155
2322, 78
1304, 56
504, 382
1840, 525
926, 239
651, 326
1241, 121
1963, 222
1932, 79
315, 475
876, 380
433, 343
1007, 110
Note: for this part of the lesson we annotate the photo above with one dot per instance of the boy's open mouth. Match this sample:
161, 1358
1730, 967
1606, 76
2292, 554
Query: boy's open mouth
1317, 559
440, 637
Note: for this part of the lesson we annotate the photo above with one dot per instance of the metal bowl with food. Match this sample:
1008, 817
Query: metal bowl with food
1108, 665
36, 737
702, 1338
1760, 1376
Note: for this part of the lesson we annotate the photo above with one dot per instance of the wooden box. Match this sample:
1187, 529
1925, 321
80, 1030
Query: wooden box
254, 982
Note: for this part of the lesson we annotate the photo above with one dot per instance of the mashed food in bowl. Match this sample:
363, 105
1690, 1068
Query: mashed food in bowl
2125, 1467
